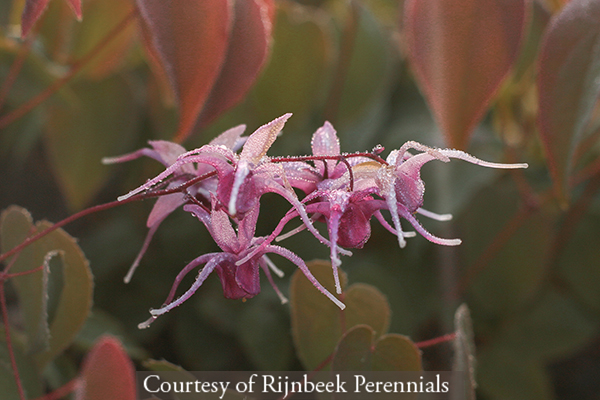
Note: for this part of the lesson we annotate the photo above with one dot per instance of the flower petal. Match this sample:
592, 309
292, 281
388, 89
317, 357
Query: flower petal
260, 141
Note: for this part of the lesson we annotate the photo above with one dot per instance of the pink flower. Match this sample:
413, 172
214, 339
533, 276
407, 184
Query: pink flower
239, 281
343, 190
167, 153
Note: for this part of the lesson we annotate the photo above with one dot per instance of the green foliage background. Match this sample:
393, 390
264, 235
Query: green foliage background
526, 267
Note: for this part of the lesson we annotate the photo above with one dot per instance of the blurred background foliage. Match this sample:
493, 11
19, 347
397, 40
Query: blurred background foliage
526, 267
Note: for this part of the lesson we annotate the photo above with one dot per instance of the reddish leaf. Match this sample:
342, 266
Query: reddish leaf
461, 50
191, 38
107, 373
248, 49
35, 8
568, 84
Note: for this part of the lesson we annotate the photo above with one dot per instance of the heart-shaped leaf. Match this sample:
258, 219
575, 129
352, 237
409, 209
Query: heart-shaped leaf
461, 51
15, 225
568, 85
107, 373
72, 303
359, 350
318, 324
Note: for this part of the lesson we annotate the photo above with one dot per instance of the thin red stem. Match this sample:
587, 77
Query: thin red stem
340, 157
61, 391
432, 342
31, 271
102, 207
75, 68
9, 345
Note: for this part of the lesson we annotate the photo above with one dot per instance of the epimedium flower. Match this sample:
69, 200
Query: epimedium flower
167, 154
239, 281
222, 189
243, 178
400, 185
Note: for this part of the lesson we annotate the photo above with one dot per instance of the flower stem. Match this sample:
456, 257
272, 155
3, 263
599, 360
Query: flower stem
103, 207
431, 342
61, 391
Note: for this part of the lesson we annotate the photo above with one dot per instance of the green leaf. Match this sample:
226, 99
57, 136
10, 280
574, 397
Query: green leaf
515, 267
464, 348
35, 75
394, 352
101, 323
577, 264
294, 77
366, 82
263, 329
359, 350
365, 304
568, 85
15, 225
161, 365
353, 352
318, 324
102, 121
74, 300
553, 326
504, 373
101, 17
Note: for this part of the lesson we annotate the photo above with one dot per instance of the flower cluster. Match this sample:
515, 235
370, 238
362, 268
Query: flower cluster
223, 188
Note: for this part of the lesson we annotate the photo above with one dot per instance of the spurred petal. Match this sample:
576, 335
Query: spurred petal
417, 225
210, 266
302, 265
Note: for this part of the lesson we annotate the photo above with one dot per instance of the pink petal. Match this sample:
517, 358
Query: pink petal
300, 263
229, 138
325, 143
260, 141
210, 266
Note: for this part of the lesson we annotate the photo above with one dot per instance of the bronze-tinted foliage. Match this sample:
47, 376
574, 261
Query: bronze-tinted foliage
568, 84
461, 51
211, 51
107, 373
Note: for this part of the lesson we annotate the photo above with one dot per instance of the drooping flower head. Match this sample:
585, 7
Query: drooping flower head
223, 190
